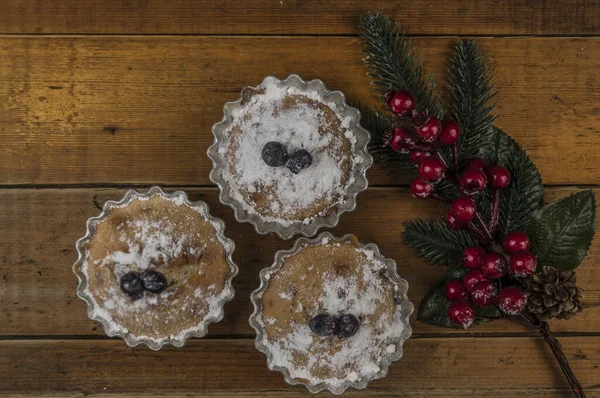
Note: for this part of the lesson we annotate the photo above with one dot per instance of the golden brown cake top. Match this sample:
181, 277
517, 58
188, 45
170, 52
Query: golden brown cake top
334, 279
165, 235
299, 121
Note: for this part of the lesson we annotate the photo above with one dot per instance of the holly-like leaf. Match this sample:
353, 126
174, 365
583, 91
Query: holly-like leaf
525, 193
436, 242
561, 232
434, 307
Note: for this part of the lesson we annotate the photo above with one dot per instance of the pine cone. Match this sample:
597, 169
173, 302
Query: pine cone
553, 294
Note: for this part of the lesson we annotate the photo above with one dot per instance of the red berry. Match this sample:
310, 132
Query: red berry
430, 130
516, 241
476, 163
494, 266
461, 314
522, 264
432, 169
511, 300
421, 188
499, 176
450, 132
417, 155
455, 290
453, 222
472, 278
401, 102
472, 181
484, 293
473, 257
400, 140
463, 208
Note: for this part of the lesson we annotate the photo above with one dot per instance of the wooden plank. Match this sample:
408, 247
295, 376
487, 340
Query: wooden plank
40, 227
478, 366
488, 17
140, 110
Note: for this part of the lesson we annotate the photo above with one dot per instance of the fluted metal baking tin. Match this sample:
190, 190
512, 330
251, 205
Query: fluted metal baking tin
403, 304
130, 339
348, 203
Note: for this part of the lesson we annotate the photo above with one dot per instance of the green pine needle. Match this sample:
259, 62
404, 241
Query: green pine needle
396, 163
471, 91
436, 242
394, 62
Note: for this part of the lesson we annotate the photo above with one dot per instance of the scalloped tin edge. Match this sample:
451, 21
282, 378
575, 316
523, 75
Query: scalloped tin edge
346, 205
404, 305
131, 340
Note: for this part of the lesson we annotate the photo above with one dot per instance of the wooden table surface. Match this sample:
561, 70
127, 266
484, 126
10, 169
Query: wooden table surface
100, 96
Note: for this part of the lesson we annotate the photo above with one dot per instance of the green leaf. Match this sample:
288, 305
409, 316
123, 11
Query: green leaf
524, 195
561, 232
436, 242
434, 307
471, 91
392, 161
393, 61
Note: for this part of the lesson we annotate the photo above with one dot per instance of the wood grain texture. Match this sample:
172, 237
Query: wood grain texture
40, 227
140, 110
306, 17
236, 367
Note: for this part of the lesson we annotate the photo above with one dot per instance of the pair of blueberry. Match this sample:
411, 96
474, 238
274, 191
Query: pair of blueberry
341, 326
134, 284
274, 154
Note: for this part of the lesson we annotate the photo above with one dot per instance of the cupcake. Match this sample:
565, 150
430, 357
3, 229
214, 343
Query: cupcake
331, 313
290, 156
155, 268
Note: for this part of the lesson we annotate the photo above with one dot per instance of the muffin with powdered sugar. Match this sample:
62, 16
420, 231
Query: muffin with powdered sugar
290, 156
331, 313
155, 268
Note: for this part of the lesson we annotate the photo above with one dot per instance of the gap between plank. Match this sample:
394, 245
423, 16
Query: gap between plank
279, 35
424, 336
211, 186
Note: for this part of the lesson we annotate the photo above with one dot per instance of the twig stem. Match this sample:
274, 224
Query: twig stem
543, 328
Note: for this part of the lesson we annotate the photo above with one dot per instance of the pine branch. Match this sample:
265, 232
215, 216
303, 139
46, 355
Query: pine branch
436, 242
471, 91
393, 61
396, 163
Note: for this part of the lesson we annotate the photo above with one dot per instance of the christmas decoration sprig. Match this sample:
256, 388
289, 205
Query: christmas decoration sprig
508, 255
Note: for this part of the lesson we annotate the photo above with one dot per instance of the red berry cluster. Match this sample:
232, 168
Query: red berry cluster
420, 138
476, 177
491, 274
483, 283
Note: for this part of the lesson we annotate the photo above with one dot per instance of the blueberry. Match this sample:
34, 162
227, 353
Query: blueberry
274, 154
132, 285
323, 325
347, 325
154, 281
301, 159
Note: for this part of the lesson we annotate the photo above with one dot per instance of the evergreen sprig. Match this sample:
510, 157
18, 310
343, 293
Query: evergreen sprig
560, 233
394, 62
525, 193
471, 91
436, 242
378, 124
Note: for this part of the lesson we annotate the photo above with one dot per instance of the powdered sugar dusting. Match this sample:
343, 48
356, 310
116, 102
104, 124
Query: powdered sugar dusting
263, 119
151, 242
304, 355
